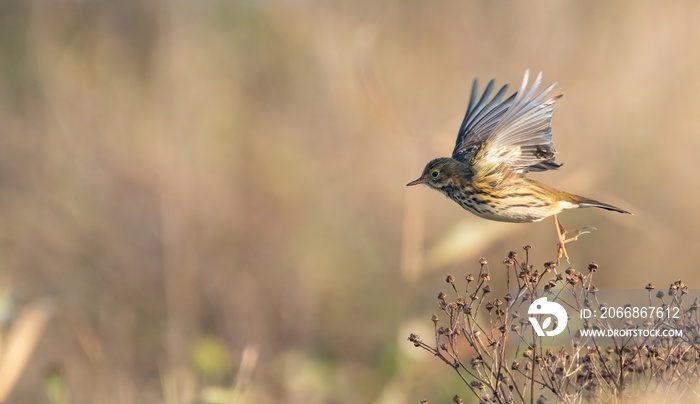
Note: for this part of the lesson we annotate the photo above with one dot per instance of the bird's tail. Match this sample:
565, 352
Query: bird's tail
586, 202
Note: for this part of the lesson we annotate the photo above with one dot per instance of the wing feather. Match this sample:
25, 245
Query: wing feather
479, 120
516, 132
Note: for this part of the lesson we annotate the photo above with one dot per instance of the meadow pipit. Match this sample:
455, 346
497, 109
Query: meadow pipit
498, 143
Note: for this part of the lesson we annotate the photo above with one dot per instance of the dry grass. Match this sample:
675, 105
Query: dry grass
481, 322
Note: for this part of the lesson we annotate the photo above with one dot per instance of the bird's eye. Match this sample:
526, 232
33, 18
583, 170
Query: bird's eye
435, 174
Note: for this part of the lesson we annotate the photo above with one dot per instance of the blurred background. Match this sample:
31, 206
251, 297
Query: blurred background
205, 202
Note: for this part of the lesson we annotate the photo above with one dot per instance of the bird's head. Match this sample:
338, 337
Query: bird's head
441, 172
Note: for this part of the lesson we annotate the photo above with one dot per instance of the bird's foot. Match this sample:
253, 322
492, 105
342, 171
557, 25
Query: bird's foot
567, 236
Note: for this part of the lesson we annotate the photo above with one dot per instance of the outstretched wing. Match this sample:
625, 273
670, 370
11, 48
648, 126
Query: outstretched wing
516, 132
480, 119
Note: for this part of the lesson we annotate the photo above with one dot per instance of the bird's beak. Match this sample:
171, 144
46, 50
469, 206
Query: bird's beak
416, 182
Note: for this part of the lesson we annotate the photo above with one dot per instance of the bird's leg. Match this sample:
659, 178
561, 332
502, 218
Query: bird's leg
561, 234
561, 250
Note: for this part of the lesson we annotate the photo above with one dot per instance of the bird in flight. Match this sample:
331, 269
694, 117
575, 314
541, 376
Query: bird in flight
499, 143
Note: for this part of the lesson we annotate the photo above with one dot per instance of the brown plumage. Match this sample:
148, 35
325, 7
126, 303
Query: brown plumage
499, 142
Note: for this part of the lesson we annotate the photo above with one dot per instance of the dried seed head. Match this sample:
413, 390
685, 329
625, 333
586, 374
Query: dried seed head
489, 306
679, 284
527, 247
441, 300
450, 279
483, 261
512, 255
592, 267
415, 339
458, 400
487, 288
570, 271
573, 279
486, 277
435, 318
469, 277
649, 286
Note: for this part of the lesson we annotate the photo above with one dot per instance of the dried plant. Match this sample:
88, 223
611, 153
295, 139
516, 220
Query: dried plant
494, 350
